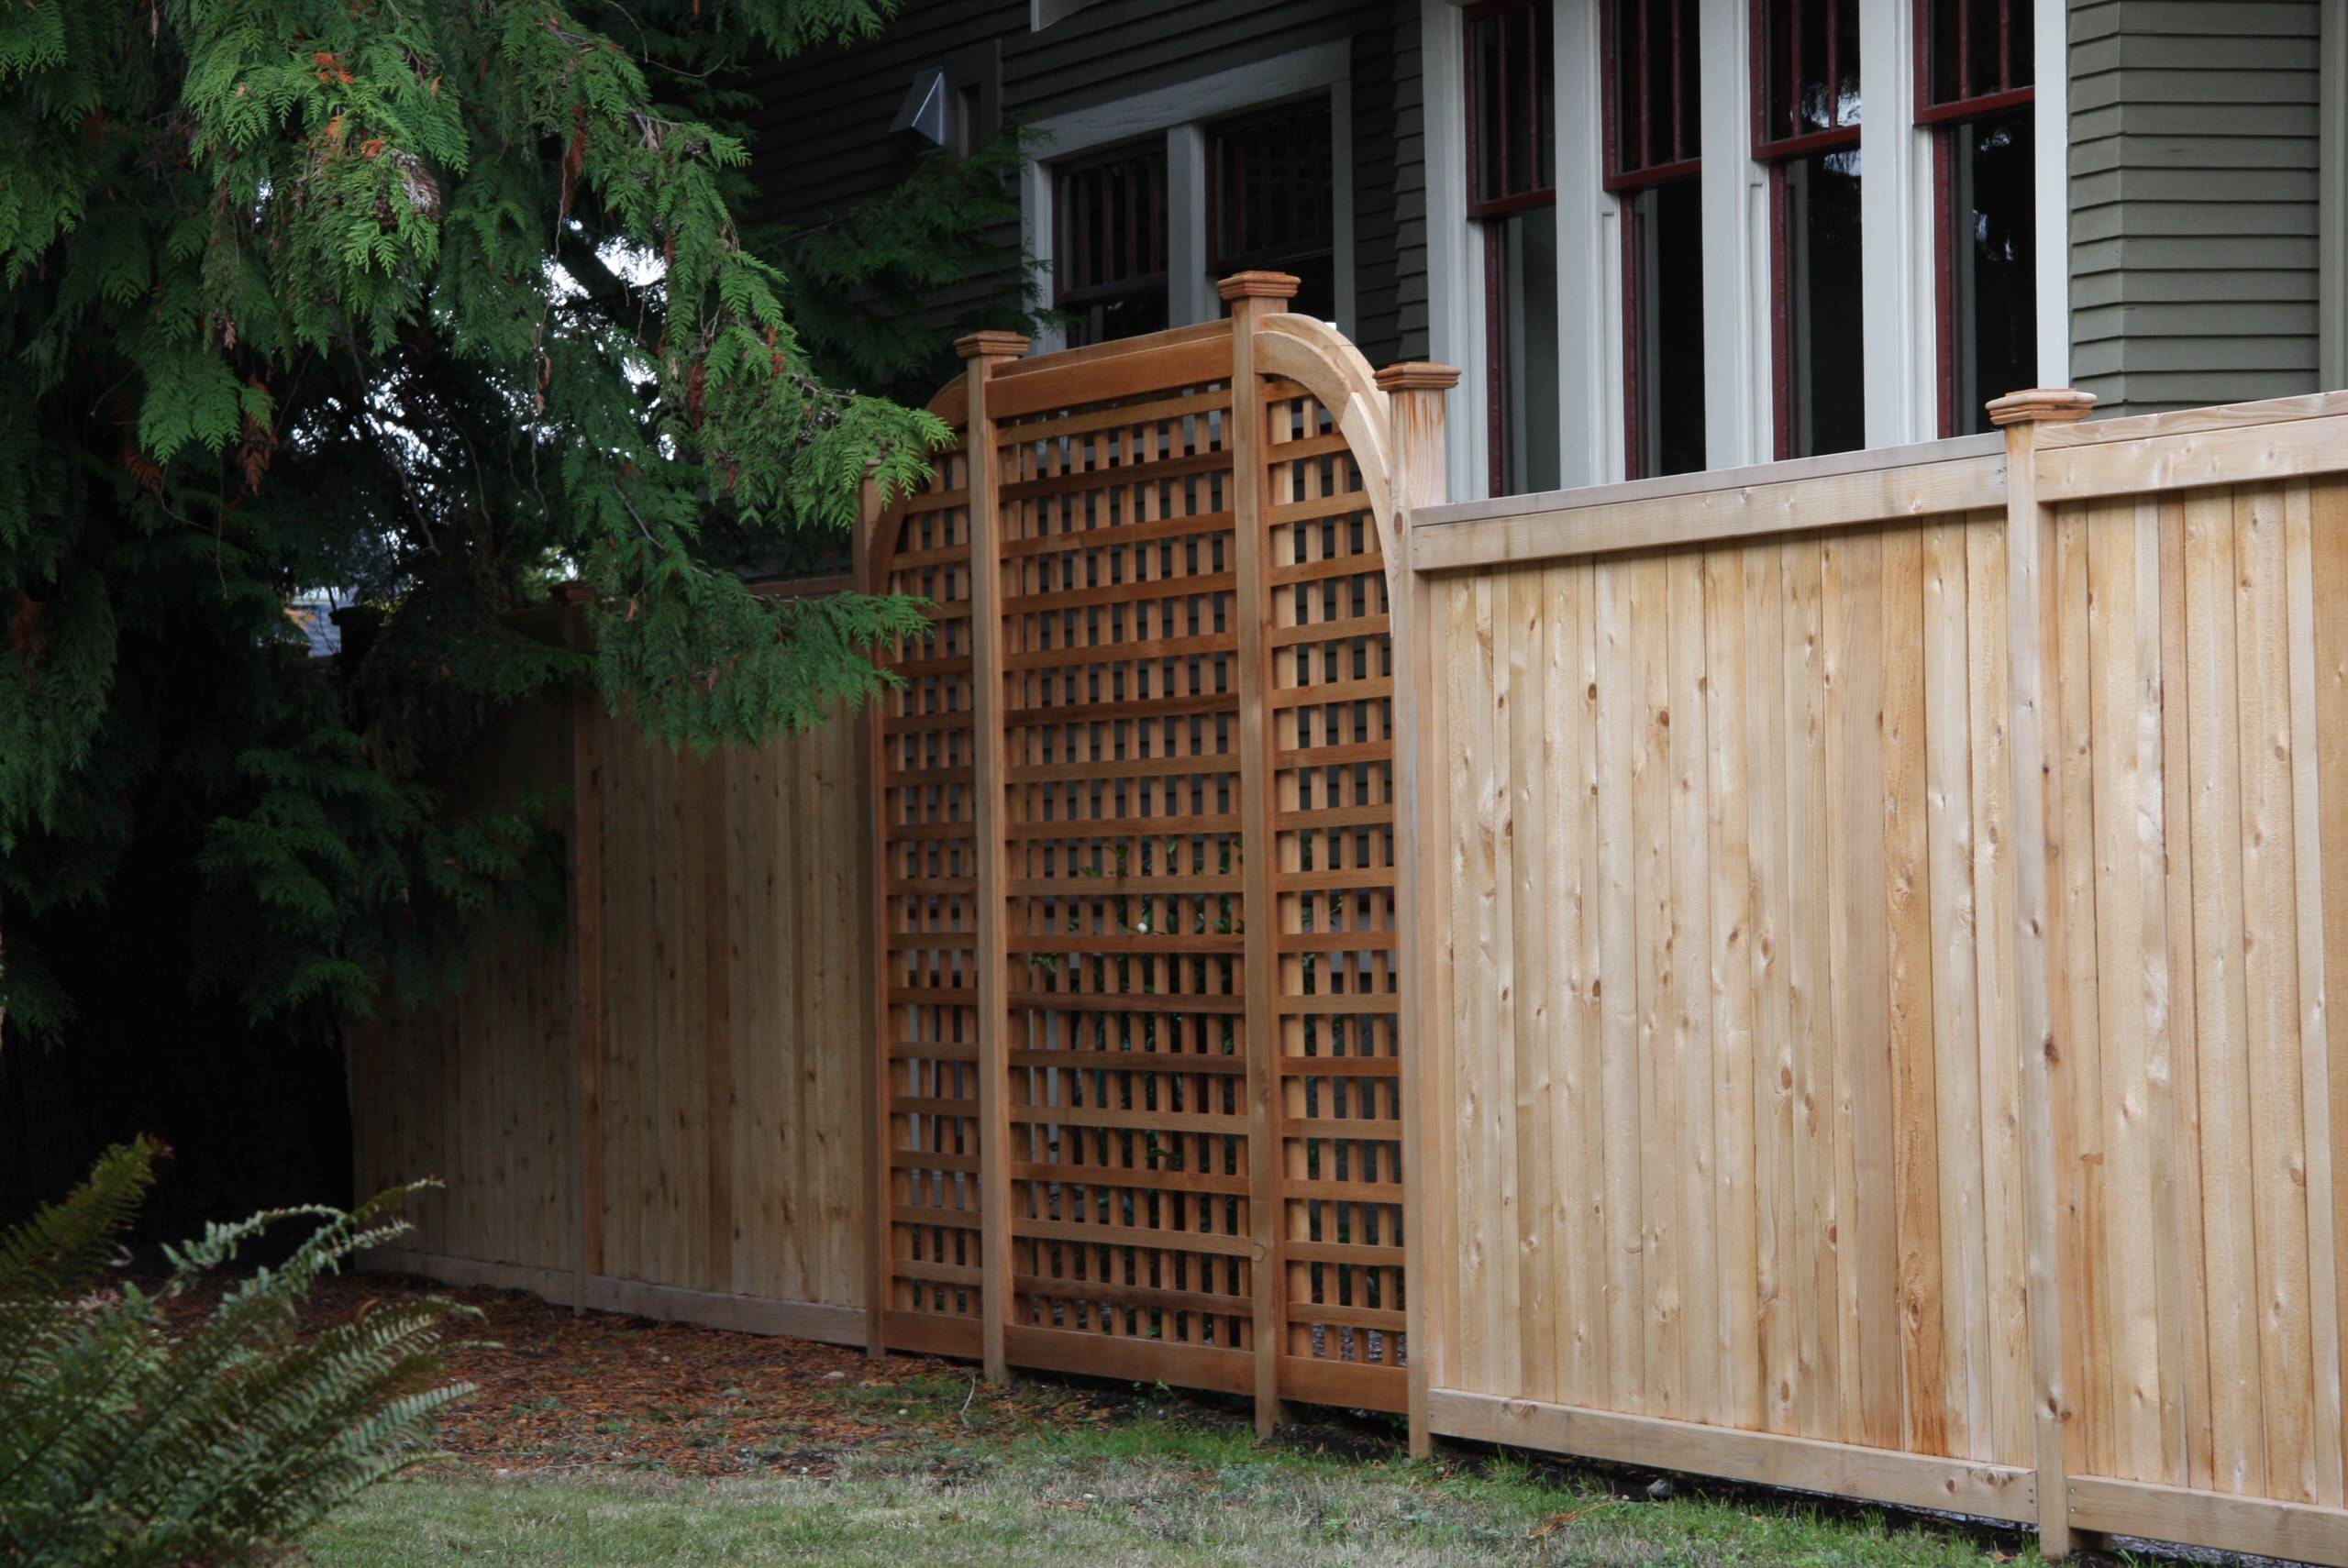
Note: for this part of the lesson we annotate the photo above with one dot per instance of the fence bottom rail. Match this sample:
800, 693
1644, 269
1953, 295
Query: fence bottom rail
2221, 1520
1871, 1474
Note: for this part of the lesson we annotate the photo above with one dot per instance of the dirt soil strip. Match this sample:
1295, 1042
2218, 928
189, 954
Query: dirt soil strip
554, 1389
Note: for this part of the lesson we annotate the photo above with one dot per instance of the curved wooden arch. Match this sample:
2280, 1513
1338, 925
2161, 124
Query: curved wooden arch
1169, 560
1318, 357
879, 528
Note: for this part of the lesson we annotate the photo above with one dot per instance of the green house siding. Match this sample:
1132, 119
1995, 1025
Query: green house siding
821, 141
2193, 194
1409, 185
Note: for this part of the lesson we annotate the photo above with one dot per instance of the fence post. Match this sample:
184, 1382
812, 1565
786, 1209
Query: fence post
982, 352
879, 1183
1252, 296
1415, 397
586, 954
2036, 717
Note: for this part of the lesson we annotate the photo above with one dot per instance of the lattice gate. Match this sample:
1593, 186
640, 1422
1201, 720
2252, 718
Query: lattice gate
1140, 1112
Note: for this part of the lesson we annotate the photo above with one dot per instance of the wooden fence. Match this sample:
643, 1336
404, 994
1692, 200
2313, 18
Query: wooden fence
1050, 1014
1813, 974
1876, 1034
664, 1114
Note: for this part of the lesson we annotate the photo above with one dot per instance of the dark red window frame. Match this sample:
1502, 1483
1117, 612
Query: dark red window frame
1085, 275
1777, 49
1983, 90
1281, 163
1638, 158
1633, 158
1983, 87
1514, 190
1777, 55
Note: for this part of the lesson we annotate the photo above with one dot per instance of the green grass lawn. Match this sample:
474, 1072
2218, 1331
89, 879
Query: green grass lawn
1172, 1486
596, 1440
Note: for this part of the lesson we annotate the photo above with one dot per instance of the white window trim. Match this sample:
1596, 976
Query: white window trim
1899, 242
1740, 407
1899, 235
2331, 196
1179, 113
1455, 283
2051, 68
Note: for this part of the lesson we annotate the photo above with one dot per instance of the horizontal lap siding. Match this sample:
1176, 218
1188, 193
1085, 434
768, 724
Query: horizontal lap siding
820, 141
1377, 326
1115, 49
2205, 716
1410, 186
1727, 822
821, 144
2193, 195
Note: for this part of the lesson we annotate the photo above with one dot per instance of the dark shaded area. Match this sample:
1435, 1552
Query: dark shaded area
1672, 326
1824, 295
1996, 263
254, 1117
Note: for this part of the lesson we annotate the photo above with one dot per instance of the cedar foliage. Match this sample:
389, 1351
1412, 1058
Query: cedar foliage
442, 302
125, 1440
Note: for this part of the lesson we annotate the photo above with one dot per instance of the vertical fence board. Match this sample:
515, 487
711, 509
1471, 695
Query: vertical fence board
2238, 1442
2270, 973
1741, 1148
1815, 1263
1532, 812
1625, 1259
1953, 927
1781, 1261
2179, 1234
1693, 971
1916, 1305
2310, 846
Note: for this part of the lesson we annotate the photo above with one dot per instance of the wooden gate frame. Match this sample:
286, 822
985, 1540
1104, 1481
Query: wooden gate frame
1321, 1182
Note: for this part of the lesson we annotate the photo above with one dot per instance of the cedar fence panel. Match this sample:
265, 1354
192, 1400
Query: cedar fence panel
479, 1093
664, 1116
1878, 1031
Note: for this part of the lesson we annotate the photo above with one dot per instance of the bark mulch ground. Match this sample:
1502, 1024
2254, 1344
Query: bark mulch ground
559, 1390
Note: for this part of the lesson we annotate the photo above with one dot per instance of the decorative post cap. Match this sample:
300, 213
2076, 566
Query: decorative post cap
993, 345
1418, 375
574, 592
2042, 405
1260, 286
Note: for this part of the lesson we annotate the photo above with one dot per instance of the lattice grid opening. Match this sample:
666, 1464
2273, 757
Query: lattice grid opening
1129, 1199
1330, 700
1175, 1176
927, 805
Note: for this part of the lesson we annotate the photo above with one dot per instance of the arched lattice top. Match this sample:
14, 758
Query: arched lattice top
1141, 1037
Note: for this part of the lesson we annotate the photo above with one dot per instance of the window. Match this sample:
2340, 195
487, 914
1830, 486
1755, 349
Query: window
1245, 169
1271, 200
1653, 121
1108, 256
1974, 84
1513, 200
1806, 130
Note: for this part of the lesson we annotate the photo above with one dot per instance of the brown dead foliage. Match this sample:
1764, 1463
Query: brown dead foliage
559, 1390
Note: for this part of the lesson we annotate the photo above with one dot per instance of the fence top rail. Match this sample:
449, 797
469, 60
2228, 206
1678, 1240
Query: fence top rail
2194, 421
1114, 348
1844, 490
2147, 454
